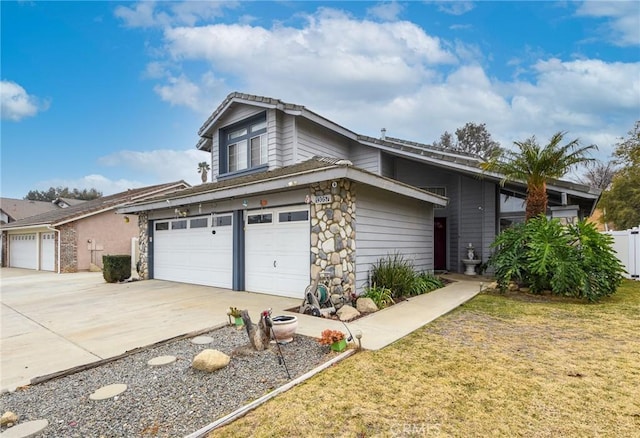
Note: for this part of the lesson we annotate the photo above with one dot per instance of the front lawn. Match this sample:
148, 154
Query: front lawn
500, 365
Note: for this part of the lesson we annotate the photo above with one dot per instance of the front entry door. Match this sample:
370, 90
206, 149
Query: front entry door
440, 243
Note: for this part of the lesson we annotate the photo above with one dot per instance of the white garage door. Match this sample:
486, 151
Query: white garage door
23, 251
47, 251
277, 257
194, 250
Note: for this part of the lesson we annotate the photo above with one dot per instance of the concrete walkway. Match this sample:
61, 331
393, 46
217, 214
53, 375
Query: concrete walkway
54, 322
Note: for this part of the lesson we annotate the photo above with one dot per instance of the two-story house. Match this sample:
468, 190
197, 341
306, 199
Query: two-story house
294, 194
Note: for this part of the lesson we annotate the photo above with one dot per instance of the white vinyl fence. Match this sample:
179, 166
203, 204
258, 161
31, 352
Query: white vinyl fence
627, 246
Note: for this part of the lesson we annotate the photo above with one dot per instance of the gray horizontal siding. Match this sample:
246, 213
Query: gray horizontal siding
314, 140
387, 224
425, 176
365, 157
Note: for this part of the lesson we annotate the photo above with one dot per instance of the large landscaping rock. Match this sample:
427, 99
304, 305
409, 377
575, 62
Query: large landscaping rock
8, 419
210, 360
347, 313
366, 305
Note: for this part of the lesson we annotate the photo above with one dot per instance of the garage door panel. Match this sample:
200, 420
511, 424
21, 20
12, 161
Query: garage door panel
23, 251
194, 255
277, 253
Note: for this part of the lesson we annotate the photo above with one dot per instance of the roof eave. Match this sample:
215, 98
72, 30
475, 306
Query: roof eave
284, 182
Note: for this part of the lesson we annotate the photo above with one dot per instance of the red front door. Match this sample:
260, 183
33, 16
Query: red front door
440, 243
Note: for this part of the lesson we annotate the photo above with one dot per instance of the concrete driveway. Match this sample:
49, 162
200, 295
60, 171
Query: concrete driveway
52, 322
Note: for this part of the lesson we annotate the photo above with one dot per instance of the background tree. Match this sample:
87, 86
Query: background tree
446, 141
475, 139
621, 203
203, 168
54, 193
535, 165
599, 175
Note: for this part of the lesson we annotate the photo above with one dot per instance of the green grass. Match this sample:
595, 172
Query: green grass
500, 365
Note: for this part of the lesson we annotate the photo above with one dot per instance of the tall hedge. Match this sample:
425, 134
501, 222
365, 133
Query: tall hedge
116, 268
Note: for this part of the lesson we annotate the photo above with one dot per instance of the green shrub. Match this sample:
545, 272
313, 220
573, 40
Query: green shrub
382, 296
396, 273
543, 254
116, 268
424, 283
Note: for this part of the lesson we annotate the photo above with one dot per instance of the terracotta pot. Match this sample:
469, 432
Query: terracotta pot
284, 327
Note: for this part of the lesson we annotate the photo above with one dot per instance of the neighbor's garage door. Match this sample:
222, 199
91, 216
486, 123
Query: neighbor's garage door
23, 251
47, 251
194, 250
277, 256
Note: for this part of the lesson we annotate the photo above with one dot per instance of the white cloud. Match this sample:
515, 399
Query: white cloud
455, 7
16, 103
146, 14
141, 15
200, 97
149, 168
334, 52
94, 181
159, 166
388, 11
623, 27
366, 75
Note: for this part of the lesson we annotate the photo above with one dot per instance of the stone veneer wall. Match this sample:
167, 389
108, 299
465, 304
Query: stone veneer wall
68, 247
143, 246
333, 235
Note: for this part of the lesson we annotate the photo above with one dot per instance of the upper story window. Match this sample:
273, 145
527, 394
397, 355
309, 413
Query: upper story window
244, 145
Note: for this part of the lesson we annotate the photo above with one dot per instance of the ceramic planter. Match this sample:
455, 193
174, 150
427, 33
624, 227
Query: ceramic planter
284, 327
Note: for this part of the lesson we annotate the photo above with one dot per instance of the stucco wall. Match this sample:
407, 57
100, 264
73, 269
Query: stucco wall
103, 234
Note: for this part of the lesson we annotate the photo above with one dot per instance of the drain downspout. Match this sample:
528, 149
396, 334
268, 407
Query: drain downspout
57, 231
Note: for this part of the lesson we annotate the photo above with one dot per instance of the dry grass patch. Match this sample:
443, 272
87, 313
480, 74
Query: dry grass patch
499, 365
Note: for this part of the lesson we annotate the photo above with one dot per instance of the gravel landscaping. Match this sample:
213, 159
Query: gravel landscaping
167, 401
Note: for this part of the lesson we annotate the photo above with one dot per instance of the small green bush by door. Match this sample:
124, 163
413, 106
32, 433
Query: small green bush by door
394, 277
572, 260
382, 296
116, 268
394, 272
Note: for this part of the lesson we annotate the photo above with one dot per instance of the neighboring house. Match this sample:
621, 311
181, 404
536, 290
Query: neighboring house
74, 234
295, 194
12, 210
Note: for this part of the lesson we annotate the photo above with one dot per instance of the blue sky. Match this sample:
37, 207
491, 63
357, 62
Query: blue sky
110, 95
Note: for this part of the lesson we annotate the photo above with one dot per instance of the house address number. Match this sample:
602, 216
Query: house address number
322, 199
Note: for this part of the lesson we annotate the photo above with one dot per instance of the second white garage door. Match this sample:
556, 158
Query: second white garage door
47, 251
194, 250
277, 255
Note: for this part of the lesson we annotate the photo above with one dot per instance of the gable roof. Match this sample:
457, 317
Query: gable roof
61, 216
18, 209
452, 160
308, 172
235, 98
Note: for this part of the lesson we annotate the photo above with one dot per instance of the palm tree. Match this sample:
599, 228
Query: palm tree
536, 165
203, 168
